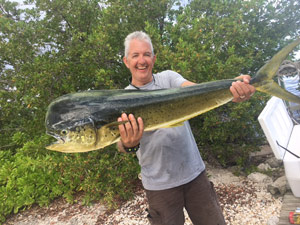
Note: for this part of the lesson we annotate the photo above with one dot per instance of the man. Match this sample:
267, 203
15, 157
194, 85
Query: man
173, 173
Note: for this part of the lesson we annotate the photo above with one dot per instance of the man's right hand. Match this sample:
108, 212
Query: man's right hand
130, 132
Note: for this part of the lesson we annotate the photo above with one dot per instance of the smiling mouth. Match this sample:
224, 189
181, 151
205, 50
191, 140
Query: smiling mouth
142, 68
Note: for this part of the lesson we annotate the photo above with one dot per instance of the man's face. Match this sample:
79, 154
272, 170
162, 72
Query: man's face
140, 62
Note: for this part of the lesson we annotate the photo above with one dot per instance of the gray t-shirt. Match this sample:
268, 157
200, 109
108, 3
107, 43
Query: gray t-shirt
169, 157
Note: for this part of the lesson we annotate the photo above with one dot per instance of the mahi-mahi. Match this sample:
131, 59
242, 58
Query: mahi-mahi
87, 121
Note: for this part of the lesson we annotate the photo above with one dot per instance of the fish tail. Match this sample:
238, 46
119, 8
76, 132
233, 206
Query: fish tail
272, 88
263, 81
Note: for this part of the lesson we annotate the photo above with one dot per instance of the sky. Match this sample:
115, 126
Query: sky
297, 55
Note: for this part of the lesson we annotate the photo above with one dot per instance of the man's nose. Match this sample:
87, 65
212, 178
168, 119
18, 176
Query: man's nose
141, 59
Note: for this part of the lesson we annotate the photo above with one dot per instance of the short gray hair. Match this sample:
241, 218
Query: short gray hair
138, 35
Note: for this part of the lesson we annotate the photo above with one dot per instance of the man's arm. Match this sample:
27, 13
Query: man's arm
241, 91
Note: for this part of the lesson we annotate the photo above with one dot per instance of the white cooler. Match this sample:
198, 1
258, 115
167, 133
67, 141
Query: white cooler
280, 130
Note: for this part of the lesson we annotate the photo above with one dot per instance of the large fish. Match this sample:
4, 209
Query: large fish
87, 121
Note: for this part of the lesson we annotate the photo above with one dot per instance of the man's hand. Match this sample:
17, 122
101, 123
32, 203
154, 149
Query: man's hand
130, 132
242, 91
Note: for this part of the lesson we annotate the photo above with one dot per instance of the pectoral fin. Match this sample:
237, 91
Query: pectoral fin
117, 123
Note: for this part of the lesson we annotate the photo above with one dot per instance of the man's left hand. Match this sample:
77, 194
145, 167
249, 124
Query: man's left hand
242, 91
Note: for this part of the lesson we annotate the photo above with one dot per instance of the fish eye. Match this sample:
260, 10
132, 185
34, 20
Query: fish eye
64, 132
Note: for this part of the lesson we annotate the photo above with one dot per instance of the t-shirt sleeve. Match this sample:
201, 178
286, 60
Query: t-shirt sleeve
172, 79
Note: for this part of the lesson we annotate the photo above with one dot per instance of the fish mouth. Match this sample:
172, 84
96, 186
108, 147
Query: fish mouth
60, 146
66, 144
53, 146
56, 136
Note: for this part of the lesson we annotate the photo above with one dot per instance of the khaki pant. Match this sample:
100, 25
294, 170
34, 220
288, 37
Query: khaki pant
198, 197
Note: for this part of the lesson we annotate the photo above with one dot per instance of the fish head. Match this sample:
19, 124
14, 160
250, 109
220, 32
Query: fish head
80, 138
69, 121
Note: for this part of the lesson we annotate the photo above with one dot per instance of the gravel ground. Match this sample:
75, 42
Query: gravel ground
243, 202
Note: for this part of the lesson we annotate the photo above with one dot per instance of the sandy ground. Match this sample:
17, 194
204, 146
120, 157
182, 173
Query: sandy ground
243, 202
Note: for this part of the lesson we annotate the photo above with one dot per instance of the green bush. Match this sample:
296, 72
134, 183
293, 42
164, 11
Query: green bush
35, 175
231, 132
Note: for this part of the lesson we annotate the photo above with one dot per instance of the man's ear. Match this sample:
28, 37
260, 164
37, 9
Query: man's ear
125, 61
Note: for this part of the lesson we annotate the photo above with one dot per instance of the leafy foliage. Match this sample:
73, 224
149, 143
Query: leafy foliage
29, 177
57, 47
